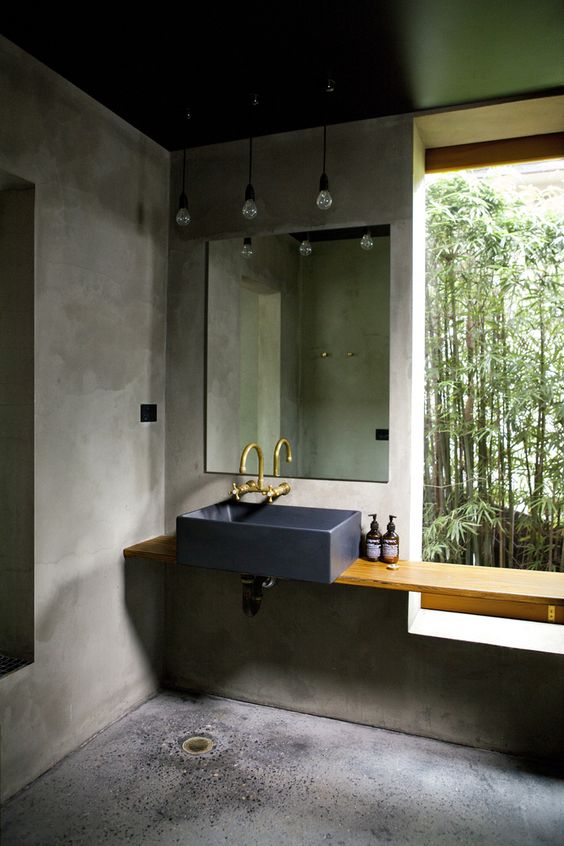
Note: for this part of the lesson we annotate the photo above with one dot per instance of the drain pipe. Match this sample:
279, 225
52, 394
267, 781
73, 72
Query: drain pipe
253, 587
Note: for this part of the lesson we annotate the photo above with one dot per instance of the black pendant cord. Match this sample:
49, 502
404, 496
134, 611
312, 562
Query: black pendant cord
252, 105
183, 198
249, 207
184, 169
324, 145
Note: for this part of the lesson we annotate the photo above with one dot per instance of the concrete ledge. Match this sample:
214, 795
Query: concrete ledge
474, 628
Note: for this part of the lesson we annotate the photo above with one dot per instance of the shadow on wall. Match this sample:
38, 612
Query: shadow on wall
79, 607
144, 596
76, 676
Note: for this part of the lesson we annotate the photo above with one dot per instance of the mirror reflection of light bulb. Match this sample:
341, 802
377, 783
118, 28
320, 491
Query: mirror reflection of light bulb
305, 247
183, 215
249, 206
324, 199
249, 209
367, 242
247, 250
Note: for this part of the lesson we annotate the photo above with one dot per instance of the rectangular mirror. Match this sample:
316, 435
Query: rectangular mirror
298, 347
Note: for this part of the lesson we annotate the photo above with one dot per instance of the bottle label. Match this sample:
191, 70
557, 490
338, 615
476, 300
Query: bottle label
373, 549
389, 549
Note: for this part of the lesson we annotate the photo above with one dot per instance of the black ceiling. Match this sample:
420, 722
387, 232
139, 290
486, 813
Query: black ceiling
386, 57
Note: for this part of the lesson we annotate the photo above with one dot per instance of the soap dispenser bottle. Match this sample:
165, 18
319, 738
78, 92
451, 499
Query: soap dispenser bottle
373, 540
390, 546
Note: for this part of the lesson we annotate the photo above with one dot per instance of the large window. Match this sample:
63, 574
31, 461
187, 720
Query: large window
494, 409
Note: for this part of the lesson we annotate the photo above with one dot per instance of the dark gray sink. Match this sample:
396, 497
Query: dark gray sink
286, 541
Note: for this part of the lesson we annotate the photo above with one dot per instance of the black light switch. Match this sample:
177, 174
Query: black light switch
148, 413
382, 434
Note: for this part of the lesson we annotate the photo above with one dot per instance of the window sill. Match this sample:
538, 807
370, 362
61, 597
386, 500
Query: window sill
493, 631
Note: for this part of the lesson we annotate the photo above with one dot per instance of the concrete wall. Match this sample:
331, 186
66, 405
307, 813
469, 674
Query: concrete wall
331, 650
370, 167
345, 652
16, 423
100, 298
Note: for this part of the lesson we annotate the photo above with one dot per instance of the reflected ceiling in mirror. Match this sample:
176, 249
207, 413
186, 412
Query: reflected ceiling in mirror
298, 347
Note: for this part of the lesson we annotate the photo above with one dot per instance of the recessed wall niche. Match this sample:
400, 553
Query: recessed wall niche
17, 200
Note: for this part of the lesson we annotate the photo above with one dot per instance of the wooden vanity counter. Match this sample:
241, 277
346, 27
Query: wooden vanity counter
454, 580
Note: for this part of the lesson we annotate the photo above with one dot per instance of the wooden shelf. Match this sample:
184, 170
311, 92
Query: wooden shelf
530, 586
161, 548
458, 580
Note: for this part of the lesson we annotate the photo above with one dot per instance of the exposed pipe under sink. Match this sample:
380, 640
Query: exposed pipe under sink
253, 587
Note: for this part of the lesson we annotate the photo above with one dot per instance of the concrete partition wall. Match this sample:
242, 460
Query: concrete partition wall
338, 651
101, 191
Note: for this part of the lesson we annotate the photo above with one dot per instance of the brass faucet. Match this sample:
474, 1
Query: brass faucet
243, 463
257, 485
251, 486
276, 462
283, 488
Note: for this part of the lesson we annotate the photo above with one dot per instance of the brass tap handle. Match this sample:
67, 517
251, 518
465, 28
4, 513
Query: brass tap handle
281, 490
234, 491
276, 462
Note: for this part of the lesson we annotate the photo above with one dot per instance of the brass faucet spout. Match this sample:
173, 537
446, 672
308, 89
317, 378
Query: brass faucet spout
243, 463
276, 463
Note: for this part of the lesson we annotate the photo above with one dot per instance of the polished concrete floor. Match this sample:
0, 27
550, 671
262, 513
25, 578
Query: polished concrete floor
276, 778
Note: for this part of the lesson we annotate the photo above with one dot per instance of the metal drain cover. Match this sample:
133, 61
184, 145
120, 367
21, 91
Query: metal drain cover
198, 745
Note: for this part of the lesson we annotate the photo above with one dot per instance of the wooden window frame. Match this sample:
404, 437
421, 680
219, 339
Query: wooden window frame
532, 148
505, 151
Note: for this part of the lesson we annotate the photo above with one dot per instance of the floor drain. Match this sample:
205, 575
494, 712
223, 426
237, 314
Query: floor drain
198, 745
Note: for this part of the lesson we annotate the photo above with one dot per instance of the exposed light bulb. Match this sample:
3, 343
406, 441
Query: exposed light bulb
183, 217
249, 206
367, 241
247, 250
249, 209
324, 199
305, 247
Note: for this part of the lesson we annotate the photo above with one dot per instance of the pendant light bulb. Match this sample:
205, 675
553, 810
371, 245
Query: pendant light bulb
249, 209
247, 250
249, 206
183, 217
324, 199
305, 247
367, 241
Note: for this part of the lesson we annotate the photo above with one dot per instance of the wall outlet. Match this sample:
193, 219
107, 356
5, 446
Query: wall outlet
148, 413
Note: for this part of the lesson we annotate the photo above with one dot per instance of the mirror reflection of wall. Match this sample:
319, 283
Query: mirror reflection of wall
298, 346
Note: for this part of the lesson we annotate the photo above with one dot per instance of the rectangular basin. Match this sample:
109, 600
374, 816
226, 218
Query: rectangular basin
285, 541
